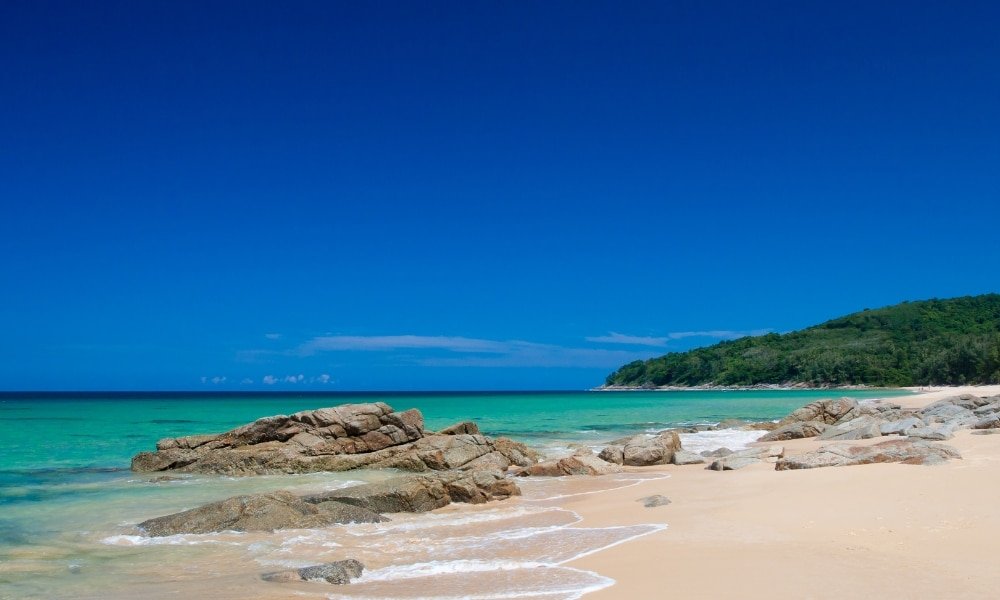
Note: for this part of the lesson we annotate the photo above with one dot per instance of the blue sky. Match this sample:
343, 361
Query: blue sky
478, 195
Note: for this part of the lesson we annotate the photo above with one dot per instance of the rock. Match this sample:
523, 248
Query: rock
900, 427
467, 427
654, 501
795, 430
641, 450
613, 454
422, 493
516, 452
763, 426
683, 457
718, 452
337, 573
826, 411
904, 451
991, 421
937, 432
577, 464
860, 428
346, 437
257, 512
732, 462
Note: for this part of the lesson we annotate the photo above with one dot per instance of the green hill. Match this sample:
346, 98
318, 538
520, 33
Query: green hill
931, 342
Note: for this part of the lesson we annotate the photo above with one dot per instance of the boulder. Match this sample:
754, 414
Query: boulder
257, 512
342, 438
467, 427
642, 450
990, 421
900, 427
683, 457
613, 454
859, 428
795, 430
337, 573
732, 462
904, 451
826, 411
937, 432
718, 452
654, 501
577, 464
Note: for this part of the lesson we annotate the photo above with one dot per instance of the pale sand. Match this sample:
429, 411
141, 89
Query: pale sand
885, 530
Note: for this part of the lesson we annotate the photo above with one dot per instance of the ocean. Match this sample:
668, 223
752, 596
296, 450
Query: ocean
68, 502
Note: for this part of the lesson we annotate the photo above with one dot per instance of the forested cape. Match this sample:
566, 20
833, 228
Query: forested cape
930, 342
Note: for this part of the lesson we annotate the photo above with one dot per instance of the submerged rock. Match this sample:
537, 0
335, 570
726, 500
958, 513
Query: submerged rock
346, 437
654, 501
337, 573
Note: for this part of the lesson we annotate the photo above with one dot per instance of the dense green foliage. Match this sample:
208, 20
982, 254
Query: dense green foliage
932, 342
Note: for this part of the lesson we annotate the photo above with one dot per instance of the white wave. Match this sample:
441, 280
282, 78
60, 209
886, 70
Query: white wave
632, 483
184, 539
443, 567
734, 439
451, 519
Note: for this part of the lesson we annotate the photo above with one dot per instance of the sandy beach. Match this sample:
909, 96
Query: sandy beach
840, 532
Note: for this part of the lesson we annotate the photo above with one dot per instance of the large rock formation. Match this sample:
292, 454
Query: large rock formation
893, 451
342, 438
359, 504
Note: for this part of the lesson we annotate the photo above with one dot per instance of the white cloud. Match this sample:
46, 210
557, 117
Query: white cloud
294, 378
246, 381
217, 380
635, 340
324, 378
270, 379
273, 336
399, 342
632, 340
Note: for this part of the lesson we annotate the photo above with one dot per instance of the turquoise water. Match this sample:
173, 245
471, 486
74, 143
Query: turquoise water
65, 486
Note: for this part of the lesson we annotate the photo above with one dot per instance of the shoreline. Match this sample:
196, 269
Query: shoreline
776, 387
882, 529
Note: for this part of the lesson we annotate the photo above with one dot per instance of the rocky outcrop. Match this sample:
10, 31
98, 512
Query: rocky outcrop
893, 451
859, 428
745, 458
825, 411
577, 464
795, 430
346, 437
421, 493
644, 450
337, 573
359, 504
258, 512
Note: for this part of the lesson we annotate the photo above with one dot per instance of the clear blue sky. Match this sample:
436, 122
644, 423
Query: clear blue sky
465, 195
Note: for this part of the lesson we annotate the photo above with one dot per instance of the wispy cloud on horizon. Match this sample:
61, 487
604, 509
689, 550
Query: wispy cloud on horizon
473, 352
635, 340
